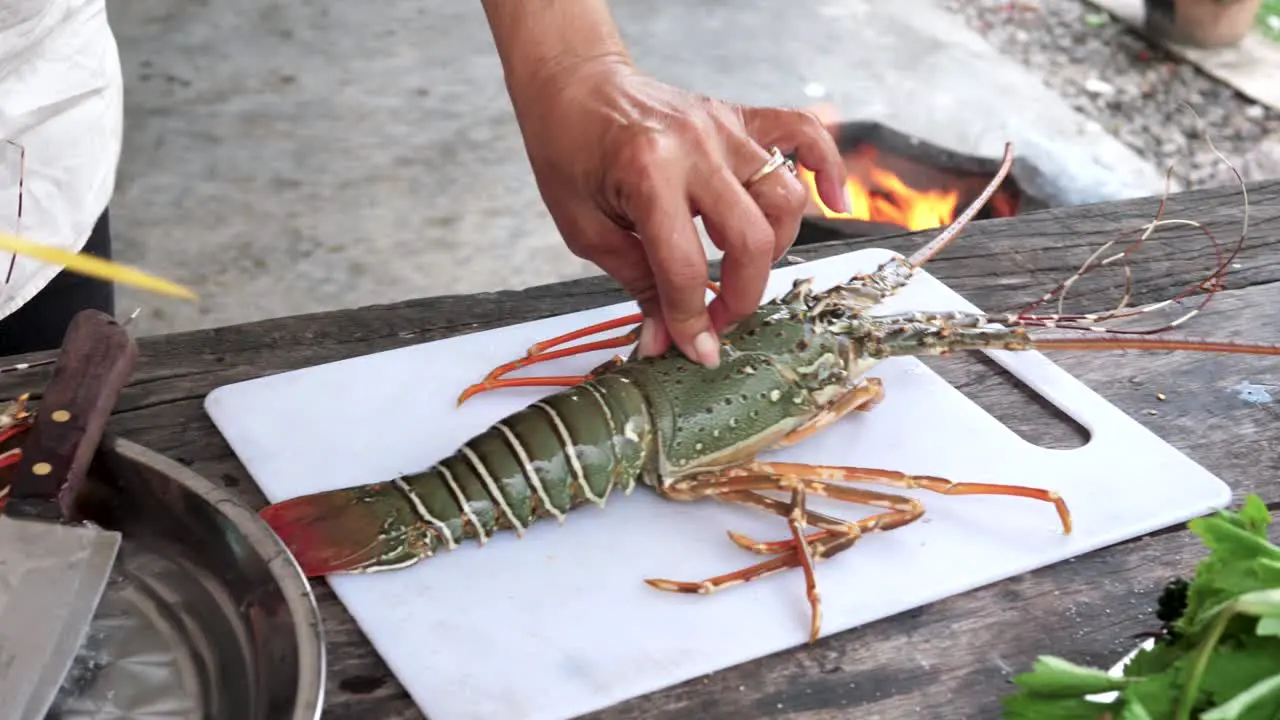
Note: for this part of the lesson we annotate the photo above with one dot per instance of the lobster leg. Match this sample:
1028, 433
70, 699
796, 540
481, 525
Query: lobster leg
863, 397
541, 347
938, 485
495, 380
830, 526
777, 507
729, 486
538, 352
834, 537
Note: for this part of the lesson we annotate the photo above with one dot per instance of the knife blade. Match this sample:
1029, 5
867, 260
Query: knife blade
52, 574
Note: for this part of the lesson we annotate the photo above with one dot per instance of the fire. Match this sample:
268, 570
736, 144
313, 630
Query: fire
881, 196
878, 195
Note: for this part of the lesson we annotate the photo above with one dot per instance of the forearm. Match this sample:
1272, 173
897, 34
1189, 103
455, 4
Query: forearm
536, 39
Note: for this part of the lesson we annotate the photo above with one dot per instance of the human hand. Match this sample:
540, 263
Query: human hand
624, 163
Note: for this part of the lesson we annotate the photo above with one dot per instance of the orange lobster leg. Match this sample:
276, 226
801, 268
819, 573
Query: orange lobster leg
942, 486
741, 485
539, 348
802, 552
542, 346
538, 352
495, 379
831, 527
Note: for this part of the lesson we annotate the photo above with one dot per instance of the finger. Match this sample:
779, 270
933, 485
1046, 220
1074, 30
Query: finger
626, 263
738, 226
654, 339
664, 223
622, 257
799, 132
779, 195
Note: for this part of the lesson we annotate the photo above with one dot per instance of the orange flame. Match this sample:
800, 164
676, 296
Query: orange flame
881, 196
887, 199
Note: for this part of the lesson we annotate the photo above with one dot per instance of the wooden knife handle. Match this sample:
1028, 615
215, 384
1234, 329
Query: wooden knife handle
94, 363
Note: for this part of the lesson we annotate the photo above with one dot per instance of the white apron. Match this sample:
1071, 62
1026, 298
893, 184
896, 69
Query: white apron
61, 106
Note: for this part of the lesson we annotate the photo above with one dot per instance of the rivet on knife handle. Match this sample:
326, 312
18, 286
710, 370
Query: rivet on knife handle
95, 362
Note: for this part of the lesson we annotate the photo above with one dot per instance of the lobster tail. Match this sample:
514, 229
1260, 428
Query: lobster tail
541, 461
352, 530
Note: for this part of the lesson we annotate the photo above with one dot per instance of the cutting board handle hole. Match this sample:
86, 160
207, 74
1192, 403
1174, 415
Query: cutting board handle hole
1017, 406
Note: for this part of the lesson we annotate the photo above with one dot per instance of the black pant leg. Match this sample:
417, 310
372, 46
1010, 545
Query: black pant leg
42, 322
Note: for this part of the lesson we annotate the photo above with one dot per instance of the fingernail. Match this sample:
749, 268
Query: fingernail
707, 349
846, 207
648, 338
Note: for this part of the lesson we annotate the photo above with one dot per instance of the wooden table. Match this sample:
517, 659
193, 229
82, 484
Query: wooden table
950, 659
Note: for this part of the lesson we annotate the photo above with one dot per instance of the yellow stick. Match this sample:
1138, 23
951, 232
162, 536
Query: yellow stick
94, 267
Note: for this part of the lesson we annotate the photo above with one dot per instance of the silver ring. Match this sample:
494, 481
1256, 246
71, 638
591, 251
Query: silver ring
776, 160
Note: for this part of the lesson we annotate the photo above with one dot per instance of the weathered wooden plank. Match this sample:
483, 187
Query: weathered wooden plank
896, 666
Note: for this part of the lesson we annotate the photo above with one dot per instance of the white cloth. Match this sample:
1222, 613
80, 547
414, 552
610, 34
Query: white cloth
61, 101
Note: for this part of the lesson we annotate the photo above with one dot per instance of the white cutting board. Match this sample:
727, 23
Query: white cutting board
560, 623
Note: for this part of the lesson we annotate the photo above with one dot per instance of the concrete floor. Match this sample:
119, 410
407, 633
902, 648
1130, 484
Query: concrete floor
289, 157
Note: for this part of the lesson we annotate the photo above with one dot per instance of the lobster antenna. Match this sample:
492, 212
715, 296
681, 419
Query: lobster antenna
26, 365
132, 316
1244, 190
926, 253
1211, 284
49, 361
1121, 341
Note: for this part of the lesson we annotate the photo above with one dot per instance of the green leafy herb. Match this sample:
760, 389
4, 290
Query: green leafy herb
1268, 20
1218, 657
1053, 676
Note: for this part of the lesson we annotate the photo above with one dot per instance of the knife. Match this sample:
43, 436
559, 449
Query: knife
52, 574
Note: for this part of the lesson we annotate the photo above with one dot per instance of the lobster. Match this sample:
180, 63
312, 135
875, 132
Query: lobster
794, 367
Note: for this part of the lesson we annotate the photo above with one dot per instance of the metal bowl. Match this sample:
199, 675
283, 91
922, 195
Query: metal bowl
206, 615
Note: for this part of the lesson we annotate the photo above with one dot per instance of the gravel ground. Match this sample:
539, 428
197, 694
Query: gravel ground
1133, 88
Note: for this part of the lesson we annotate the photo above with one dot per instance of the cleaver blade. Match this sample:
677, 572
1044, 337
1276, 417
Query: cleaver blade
53, 571
51, 579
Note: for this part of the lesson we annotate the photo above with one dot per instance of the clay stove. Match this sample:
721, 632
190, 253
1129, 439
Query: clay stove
898, 183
